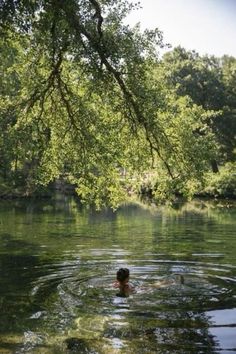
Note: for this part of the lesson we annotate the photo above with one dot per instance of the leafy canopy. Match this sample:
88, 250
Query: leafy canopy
81, 99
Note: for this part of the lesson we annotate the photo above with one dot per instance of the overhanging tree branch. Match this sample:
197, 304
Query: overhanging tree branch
98, 16
99, 48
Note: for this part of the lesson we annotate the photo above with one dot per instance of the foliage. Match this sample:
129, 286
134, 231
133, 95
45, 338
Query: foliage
210, 82
83, 98
222, 184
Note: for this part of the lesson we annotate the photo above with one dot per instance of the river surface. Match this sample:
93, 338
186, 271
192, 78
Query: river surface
58, 262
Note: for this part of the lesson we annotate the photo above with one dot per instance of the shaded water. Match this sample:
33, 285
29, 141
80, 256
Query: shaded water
58, 262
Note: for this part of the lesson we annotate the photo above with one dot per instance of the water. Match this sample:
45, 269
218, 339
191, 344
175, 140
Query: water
58, 262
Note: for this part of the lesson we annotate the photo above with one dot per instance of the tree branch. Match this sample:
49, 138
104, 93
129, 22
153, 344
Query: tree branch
75, 23
98, 15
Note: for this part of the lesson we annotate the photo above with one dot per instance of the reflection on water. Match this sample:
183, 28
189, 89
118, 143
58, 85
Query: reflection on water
58, 262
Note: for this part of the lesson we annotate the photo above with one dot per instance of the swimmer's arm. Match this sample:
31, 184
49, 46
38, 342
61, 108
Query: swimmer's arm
116, 285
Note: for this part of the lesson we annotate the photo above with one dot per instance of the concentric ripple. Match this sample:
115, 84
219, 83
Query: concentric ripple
181, 306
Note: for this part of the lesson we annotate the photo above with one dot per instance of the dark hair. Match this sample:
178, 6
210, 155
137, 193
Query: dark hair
122, 274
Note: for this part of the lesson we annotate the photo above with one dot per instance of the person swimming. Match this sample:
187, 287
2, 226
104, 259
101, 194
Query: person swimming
122, 283
125, 288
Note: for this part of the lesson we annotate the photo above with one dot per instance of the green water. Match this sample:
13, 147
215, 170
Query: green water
58, 262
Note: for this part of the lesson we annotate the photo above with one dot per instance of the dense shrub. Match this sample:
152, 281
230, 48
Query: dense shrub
222, 184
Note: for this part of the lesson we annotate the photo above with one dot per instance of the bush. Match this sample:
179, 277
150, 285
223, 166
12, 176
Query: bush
222, 184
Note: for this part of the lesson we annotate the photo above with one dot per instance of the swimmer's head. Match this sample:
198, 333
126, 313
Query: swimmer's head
122, 274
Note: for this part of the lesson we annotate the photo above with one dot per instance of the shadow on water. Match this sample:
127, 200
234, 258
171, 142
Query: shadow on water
58, 264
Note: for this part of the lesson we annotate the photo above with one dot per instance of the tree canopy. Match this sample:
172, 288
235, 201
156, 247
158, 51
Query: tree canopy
210, 82
83, 97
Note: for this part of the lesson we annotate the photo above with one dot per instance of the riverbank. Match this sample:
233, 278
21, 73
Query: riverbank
146, 195
21, 192
220, 185
8, 191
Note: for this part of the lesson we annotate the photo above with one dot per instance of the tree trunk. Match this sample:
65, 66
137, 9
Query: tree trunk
214, 166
